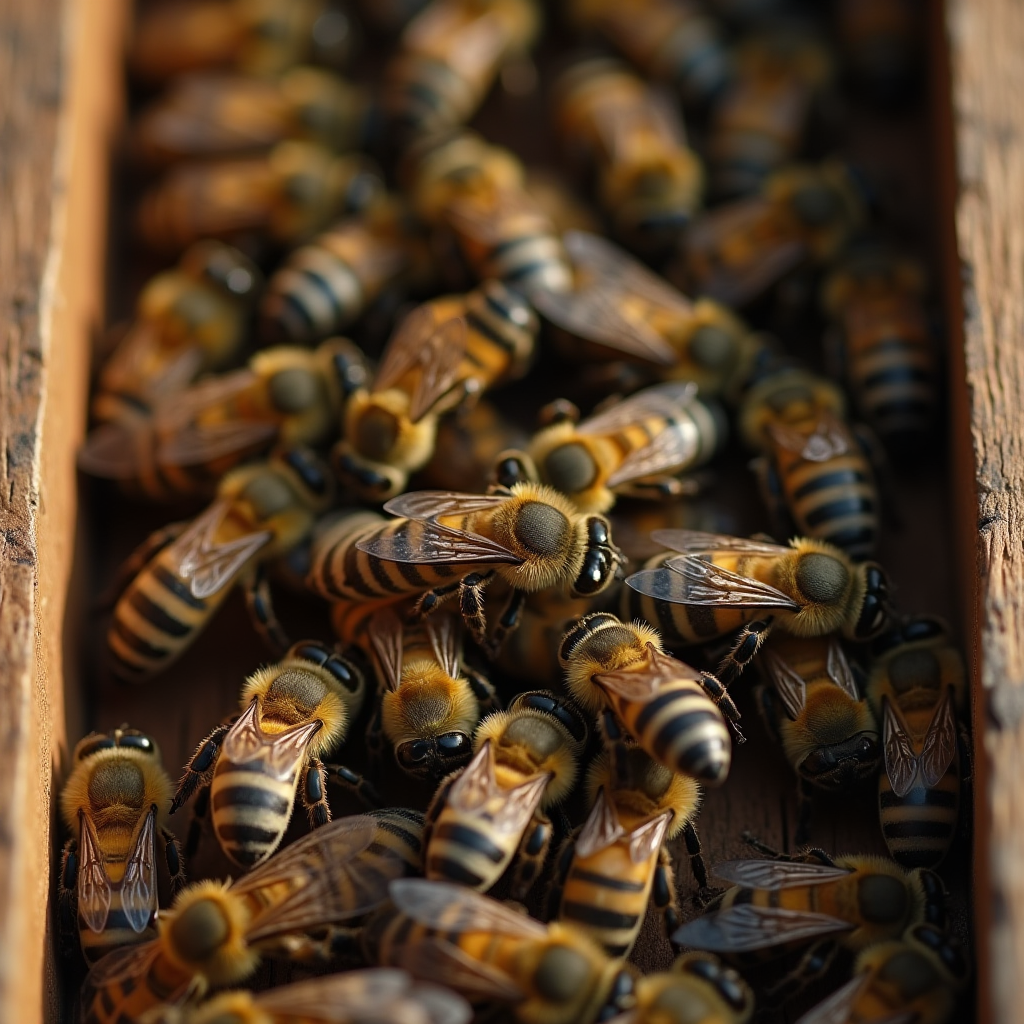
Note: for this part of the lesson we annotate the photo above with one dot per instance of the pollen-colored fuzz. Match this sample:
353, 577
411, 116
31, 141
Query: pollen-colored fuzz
428, 703
821, 617
584, 464
589, 659
313, 422
379, 430
204, 932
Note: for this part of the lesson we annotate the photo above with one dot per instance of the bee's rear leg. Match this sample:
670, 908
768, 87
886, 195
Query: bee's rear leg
313, 793
173, 860
814, 964
663, 891
483, 690
199, 770
747, 644
364, 790
471, 605
260, 606
67, 897
432, 600
508, 623
697, 865
719, 696
530, 857
813, 854
563, 862
200, 810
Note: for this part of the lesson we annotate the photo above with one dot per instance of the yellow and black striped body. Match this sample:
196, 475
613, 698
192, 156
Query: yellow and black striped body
118, 1002
399, 835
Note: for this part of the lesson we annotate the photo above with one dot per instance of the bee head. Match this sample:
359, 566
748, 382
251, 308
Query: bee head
432, 758
719, 985
601, 558
840, 766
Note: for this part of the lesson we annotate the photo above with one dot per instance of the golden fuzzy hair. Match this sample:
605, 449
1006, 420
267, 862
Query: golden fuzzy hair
829, 716
428, 703
237, 1005
596, 497
312, 424
756, 412
819, 619
413, 443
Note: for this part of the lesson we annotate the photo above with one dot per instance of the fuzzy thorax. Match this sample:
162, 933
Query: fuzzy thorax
378, 428
576, 465
828, 586
428, 703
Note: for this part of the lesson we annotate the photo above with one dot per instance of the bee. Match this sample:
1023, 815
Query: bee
551, 974
619, 861
355, 997
442, 357
649, 180
494, 812
634, 449
672, 41
670, 710
778, 906
556, 198
882, 341
718, 585
286, 395
115, 802
181, 575
275, 198
447, 543
816, 711
448, 58
759, 122
206, 115
739, 250
253, 37
188, 321
215, 933
914, 979
916, 686
292, 713
814, 470
619, 307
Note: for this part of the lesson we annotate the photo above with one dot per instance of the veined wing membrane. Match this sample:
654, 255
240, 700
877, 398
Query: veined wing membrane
697, 542
690, 580
659, 400
434, 544
777, 874
432, 504
454, 908
748, 927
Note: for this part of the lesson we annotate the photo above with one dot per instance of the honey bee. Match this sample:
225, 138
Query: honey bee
551, 974
556, 198
672, 41
276, 198
719, 585
253, 37
673, 712
448, 58
814, 470
880, 332
739, 250
494, 812
443, 356
286, 395
620, 307
204, 116
292, 713
649, 180
915, 979
215, 934
447, 543
759, 122
916, 686
618, 862
777, 906
815, 710
181, 575
115, 802
188, 321
355, 997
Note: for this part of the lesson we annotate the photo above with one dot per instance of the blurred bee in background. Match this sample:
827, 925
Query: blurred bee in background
676, 714
760, 122
802, 214
273, 199
325, 286
916, 686
816, 903
216, 933
443, 356
649, 180
181, 575
448, 58
559, 202
292, 713
354, 997
494, 812
718, 585
814, 473
188, 321
815, 710
672, 41
882, 344
206, 116
551, 974
253, 37
115, 803
286, 395
447, 544
914, 979
881, 45
619, 861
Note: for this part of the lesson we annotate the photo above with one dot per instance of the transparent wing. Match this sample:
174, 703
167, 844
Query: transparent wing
477, 783
690, 580
434, 544
748, 927
281, 753
827, 441
430, 504
837, 1007
646, 839
492, 220
777, 874
661, 400
939, 747
789, 685
476, 793
696, 542
94, 889
445, 643
138, 887
644, 684
444, 962
518, 805
673, 449
121, 964
195, 444
839, 671
386, 633
898, 750
183, 408
113, 451
601, 829
455, 909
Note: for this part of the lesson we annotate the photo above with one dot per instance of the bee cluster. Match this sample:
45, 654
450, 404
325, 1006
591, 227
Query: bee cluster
485, 600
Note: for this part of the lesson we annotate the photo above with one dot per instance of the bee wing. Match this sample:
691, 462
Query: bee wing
601, 829
777, 874
477, 792
197, 443
646, 840
827, 441
939, 743
113, 451
789, 685
659, 400
94, 889
837, 1008
900, 759
687, 579
838, 668
129, 962
386, 632
748, 927
434, 544
431, 504
671, 450
644, 684
477, 784
176, 413
445, 643
282, 753
697, 542
138, 887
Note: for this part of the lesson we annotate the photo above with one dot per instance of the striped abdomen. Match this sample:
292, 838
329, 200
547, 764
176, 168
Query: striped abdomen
128, 999
468, 849
399, 834
501, 331
424, 94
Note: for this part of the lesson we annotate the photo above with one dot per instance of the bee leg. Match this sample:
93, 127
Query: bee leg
719, 696
364, 790
483, 690
200, 809
747, 644
530, 857
172, 858
512, 467
199, 770
563, 862
805, 805
508, 623
471, 605
697, 866
810, 855
260, 606
432, 600
662, 487
67, 896
814, 964
663, 891
313, 793
132, 565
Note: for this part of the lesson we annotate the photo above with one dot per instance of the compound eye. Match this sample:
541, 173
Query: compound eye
310, 650
138, 741
454, 744
596, 573
818, 762
310, 470
90, 748
413, 754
